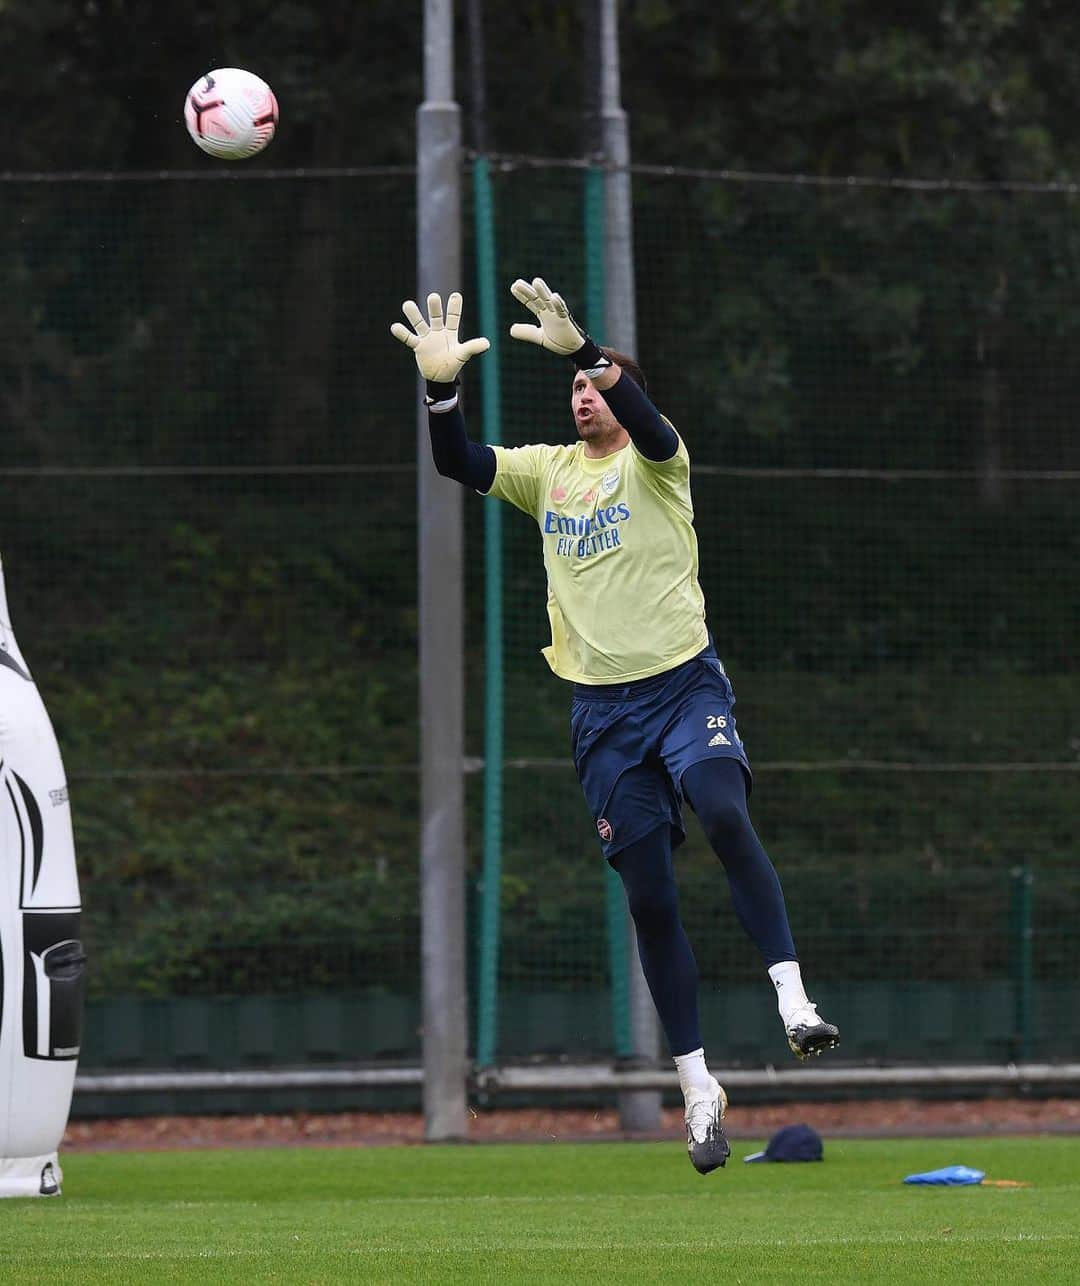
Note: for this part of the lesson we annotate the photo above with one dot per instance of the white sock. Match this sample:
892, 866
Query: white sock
693, 1074
790, 993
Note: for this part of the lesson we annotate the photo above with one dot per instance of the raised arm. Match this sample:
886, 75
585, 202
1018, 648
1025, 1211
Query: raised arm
440, 355
558, 332
630, 404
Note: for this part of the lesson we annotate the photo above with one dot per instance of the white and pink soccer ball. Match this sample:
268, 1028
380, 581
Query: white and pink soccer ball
231, 113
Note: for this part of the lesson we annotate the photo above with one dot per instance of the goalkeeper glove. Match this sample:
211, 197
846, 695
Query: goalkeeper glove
557, 331
439, 353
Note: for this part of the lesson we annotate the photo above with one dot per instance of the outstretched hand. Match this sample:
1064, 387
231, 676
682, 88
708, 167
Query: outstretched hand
557, 331
439, 353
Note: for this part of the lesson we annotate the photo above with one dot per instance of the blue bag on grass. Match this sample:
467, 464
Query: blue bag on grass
950, 1176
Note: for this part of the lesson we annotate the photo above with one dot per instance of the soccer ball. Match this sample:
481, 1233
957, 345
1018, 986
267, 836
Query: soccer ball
231, 113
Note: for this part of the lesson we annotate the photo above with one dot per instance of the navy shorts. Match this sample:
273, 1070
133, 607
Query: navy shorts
632, 742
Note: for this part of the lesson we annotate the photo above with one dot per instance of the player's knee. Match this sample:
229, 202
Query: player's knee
716, 791
654, 908
649, 882
725, 822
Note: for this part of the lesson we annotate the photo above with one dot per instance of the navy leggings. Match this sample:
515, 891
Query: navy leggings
716, 791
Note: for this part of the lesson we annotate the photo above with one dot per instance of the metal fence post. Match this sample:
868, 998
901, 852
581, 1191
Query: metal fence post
487, 1001
1022, 900
440, 560
616, 917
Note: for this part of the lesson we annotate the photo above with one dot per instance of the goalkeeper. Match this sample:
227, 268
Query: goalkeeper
652, 718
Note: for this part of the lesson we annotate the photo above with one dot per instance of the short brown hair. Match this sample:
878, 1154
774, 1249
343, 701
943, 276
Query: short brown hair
628, 365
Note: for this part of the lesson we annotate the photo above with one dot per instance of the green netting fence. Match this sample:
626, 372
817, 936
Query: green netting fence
209, 476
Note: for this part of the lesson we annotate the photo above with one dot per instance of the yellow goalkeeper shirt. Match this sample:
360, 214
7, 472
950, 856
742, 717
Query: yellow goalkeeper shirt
620, 553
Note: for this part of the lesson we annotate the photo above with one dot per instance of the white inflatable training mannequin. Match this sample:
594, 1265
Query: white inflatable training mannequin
41, 957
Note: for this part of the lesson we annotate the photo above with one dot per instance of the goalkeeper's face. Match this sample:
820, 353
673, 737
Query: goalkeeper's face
597, 427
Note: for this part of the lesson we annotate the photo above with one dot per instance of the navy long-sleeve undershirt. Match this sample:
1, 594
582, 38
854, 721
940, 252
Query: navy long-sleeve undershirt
470, 463
649, 431
473, 463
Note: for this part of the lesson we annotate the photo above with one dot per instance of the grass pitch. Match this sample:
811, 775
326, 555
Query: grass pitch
553, 1212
